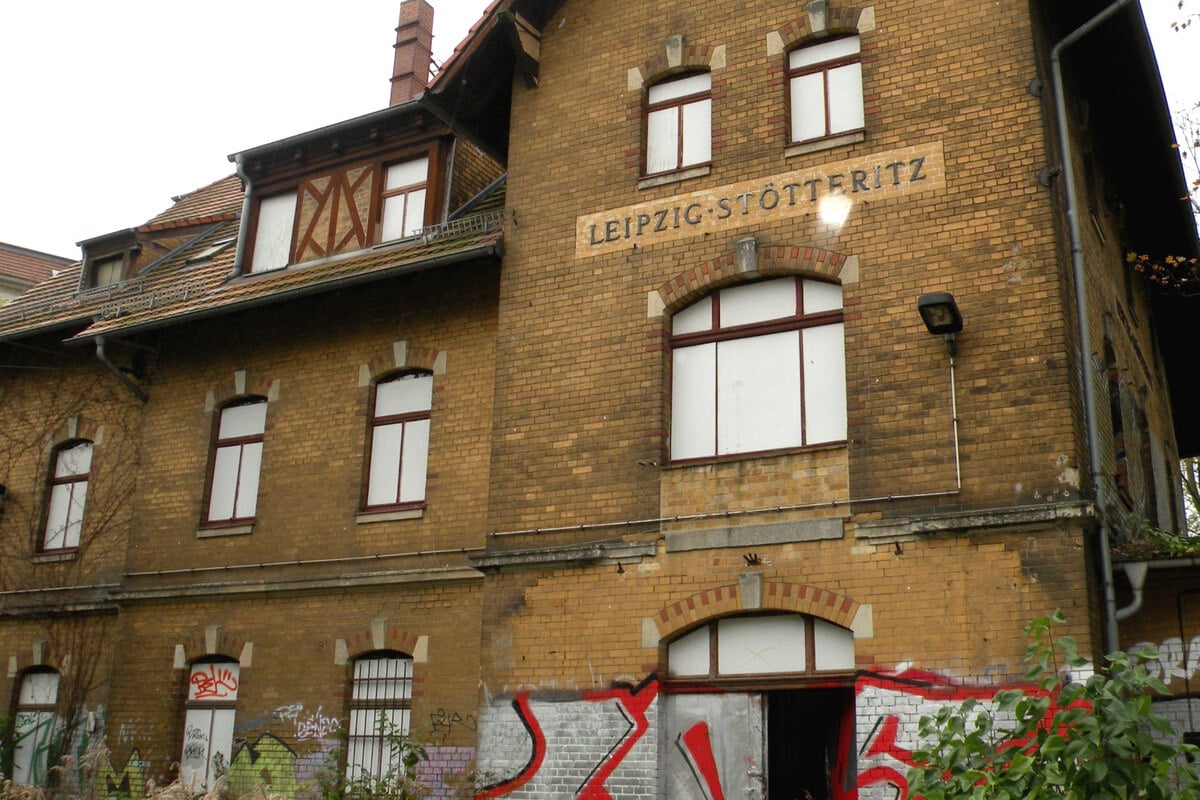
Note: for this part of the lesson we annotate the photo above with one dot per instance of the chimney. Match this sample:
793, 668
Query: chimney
414, 50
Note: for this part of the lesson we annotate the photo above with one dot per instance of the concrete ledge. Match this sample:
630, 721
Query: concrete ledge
388, 516
808, 530
604, 552
1014, 516
232, 530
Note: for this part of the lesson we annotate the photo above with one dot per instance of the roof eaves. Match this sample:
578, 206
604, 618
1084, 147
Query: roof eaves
484, 250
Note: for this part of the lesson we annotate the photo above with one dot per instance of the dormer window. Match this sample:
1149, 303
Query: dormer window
404, 191
108, 271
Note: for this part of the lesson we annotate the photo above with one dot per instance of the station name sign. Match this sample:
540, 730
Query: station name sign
871, 178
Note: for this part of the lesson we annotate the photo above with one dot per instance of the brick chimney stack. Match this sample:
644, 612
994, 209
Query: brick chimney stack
414, 50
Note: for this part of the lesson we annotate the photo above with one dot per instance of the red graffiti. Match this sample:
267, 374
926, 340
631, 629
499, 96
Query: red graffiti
697, 748
632, 704
215, 684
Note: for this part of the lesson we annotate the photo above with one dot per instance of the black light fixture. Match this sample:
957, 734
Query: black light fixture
940, 313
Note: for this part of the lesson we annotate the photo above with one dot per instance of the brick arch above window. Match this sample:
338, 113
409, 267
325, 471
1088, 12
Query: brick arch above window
245, 384
734, 598
380, 636
34, 655
75, 428
213, 644
400, 356
676, 58
688, 285
821, 19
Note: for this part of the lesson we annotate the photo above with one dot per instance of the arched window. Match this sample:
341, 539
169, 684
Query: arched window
380, 708
757, 368
34, 728
826, 89
208, 722
236, 461
679, 123
760, 706
70, 474
399, 441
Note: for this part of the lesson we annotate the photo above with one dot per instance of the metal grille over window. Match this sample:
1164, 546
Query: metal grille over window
380, 705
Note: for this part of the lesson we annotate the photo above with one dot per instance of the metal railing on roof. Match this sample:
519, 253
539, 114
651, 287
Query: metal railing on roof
470, 225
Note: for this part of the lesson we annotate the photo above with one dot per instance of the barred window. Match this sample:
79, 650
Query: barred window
380, 707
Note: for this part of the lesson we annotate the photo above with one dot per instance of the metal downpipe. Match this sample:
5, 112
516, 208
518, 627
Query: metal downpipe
1111, 635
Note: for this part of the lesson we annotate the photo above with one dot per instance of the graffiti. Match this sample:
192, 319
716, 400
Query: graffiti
265, 764
696, 746
316, 726
616, 721
128, 784
1174, 660
288, 713
216, 684
442, 722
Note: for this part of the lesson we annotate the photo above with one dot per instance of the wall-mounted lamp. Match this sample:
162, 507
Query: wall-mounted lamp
941, 316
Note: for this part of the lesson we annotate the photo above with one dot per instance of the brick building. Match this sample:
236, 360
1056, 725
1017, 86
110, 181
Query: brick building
578, 413
21, 268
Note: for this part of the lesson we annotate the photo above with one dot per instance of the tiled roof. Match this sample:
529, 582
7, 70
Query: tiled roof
219, 200
29, 265
193, 282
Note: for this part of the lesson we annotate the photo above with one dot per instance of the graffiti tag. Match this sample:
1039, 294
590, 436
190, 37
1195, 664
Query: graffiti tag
443, 722
214, 684
317, 726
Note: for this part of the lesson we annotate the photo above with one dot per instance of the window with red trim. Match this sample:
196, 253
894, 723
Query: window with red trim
679, 123
237, 458
399, 441
826, 88
757, 368
70, 475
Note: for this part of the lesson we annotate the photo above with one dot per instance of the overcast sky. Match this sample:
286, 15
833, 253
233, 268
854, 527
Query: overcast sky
109, 108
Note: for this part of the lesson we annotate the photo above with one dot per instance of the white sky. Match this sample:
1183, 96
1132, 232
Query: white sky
108, 108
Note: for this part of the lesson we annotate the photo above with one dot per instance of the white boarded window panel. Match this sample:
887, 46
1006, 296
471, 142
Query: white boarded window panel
407, 173
825, 389
405, 395
31, 740
39, 689
76, 460
819, 296
845, 98
680, 87
393, 217
688, 655
808, 107
207, 745
413, 460
697, 133
834, 646
754, 645
414, 212
64, 520
247, 491
826, 51
662, 140
224, 483
693, 406
385, 464
758, 302
244, 420
757, 393
273, 236
693, 319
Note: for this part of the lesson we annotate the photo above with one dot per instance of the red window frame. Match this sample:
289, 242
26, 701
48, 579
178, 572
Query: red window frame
220, 444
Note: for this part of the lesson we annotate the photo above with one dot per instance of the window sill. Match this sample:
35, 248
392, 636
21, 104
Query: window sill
722, 459
854, 137
55, 556
367, 517
229, 530
674, 177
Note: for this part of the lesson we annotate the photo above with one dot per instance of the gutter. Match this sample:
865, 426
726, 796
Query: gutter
240, 254
138, 392
1099, 488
